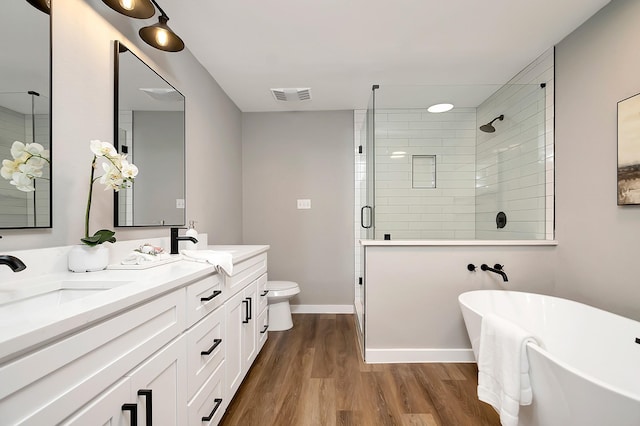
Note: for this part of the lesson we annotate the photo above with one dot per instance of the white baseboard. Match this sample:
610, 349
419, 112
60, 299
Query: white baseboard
391, 356
321, 309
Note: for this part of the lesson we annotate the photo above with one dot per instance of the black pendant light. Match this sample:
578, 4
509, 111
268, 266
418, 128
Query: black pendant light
161, 36
140, 9
41, 5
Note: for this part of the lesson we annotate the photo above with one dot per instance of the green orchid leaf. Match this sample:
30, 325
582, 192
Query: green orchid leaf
101, 236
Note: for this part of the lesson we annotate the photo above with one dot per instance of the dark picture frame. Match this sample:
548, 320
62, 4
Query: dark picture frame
629, 151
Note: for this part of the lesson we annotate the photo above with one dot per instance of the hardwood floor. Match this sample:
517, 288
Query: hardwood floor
313, 374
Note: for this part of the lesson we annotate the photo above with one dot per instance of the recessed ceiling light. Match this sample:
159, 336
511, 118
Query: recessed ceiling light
440, 108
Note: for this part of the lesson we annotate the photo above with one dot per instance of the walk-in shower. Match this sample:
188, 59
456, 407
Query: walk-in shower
481, 173
446, 176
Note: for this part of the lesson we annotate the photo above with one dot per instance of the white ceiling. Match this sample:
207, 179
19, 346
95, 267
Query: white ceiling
339, 48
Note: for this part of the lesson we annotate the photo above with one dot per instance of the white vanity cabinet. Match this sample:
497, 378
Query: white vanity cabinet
155, 392
48, 385
263, 313
242, 325
175, 359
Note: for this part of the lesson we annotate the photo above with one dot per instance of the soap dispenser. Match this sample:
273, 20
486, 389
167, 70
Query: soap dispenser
191, 232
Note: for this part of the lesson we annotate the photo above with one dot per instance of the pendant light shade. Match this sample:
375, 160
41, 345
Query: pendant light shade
161, 36
140, 9
41, 5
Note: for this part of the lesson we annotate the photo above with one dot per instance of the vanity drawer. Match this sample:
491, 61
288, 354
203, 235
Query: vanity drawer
204, 296
46, 386
246, 272
262, 328
211, 396
206, 336
262, 294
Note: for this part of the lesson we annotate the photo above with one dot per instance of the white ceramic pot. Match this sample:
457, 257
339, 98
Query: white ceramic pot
83, 258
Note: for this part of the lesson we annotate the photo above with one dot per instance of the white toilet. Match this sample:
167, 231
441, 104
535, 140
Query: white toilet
278, 298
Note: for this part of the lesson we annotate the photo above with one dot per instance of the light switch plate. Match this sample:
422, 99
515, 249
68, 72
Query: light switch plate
304, 204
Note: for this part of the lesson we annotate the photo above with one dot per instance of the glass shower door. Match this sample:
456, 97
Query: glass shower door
365, 163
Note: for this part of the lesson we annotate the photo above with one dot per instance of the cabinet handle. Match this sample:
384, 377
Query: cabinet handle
265, 293
250, 308
133, 409
215, 293
218, 401
148, 405
264, 330
216, 342
246, 312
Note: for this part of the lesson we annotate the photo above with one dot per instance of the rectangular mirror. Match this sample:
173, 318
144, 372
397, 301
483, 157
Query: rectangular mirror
25, 104
149, 128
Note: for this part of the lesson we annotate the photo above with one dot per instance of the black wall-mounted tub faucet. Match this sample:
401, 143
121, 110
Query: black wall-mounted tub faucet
175, 238
497, 269
12, 262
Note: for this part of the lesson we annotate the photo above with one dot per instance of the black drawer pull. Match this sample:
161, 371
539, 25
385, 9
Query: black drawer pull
149, 405
264, 330
264, 293
250, 308
215, 293
218, 401
246, 311
133, 409
216, 342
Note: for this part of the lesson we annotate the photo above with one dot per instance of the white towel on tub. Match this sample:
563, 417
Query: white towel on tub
503, 367
223, 261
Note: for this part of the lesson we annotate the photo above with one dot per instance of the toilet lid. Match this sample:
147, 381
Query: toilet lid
281, 285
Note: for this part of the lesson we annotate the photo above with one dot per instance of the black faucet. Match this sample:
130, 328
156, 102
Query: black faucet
175, 238
12, 262
497, 269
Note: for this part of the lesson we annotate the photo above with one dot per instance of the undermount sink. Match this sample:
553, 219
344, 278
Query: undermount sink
46, 296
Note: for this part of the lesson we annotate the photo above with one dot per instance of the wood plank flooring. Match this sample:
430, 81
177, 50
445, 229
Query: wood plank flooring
313, 374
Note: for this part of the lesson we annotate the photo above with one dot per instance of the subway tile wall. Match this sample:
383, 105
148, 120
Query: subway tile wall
444, 212
515, 164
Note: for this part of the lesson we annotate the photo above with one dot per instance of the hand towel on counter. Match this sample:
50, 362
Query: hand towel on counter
137, 258
503, 367
222, 260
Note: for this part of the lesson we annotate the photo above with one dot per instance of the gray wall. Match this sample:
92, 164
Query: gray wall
599, 243
299, 155
83, 34
159, 152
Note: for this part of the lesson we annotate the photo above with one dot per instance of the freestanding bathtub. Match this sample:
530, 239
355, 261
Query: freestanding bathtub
586, 370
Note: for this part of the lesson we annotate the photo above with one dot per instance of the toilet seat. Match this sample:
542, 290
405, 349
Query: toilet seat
282, 289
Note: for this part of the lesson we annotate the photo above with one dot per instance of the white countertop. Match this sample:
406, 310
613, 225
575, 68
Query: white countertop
21, 332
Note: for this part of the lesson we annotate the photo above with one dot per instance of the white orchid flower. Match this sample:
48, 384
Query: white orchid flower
18, 150
129, 171
102, 149
34, 148
37, 161
22, 182
30, 171
9, 168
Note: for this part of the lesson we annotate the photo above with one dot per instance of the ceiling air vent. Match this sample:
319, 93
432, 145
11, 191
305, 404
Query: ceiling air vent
292, 95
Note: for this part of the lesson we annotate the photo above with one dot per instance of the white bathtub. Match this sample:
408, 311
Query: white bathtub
587, 371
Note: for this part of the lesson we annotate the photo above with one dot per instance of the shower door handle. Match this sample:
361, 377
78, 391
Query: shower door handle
362, 216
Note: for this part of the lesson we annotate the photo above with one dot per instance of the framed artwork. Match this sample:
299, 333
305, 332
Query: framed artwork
629, 151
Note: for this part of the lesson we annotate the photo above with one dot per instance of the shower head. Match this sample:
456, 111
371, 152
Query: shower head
488, 128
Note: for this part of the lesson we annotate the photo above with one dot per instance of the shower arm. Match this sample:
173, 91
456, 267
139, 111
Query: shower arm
500, 117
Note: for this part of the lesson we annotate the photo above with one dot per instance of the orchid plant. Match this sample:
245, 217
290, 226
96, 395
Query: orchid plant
27, 164
118, 174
